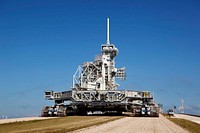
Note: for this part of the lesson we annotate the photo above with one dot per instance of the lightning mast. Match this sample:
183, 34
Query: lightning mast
182, 106
108, 32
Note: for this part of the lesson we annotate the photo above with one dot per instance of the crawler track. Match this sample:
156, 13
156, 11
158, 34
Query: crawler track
136, 125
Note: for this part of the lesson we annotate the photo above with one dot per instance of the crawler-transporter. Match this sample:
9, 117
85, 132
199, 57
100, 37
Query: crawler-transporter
94, 90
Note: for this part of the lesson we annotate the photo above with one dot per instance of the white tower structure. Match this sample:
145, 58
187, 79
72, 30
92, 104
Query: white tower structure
101, 73
95, 89
182, 106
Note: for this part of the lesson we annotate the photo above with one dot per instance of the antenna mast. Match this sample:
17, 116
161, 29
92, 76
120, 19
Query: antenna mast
108, 39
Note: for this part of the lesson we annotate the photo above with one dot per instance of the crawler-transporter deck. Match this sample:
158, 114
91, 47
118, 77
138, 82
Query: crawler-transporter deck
94, 90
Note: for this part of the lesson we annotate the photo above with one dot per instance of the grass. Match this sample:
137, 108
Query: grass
57, 125
186, 124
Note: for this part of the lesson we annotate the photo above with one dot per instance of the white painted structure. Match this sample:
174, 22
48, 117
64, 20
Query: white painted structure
101, 73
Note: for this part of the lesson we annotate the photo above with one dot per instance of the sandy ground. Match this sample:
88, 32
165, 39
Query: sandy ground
188, 117
23, 119
136, 125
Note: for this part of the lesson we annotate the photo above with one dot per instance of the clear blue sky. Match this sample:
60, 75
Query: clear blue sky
43, 42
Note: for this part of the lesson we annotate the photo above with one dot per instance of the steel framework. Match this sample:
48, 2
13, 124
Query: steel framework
94, 89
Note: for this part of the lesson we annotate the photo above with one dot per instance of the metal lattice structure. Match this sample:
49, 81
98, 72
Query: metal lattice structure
95, 89
100, 74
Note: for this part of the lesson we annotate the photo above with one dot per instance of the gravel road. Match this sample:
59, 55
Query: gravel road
2, 121
188, 117
136, 125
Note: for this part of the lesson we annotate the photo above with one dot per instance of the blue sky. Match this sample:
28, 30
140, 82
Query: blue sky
43, 42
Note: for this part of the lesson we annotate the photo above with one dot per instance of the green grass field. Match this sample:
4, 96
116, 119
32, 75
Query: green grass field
57, 125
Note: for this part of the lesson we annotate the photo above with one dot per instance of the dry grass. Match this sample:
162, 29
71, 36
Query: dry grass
186, 124
58, 125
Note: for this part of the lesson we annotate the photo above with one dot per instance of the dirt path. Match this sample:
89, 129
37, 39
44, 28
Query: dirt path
136, 125
23, 119
188, 117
